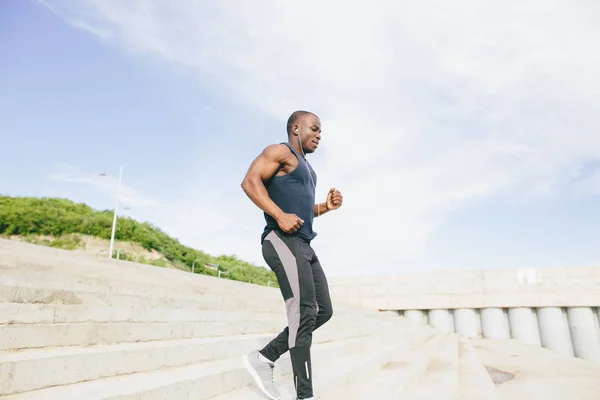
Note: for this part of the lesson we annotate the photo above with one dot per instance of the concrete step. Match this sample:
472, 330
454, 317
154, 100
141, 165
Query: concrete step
440, 378
198, 380
25, 313
29, 257
347, 373
68, 328
203, 298
17, 337
329, 374
474, 381
402, 367
68, 264
40, 368
97, 273
102, 273
27, 285
44, 295
38, 293
41, 258
525, 371
103, 359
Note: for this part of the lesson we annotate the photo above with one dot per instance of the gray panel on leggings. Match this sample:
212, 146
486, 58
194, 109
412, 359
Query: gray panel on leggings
291, 270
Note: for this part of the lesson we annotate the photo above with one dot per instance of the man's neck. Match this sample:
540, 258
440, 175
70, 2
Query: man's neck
296, 145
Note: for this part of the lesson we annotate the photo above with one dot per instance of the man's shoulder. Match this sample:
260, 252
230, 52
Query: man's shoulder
277, 151
278, 147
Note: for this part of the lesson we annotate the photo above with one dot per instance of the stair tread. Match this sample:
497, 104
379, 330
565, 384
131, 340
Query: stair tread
130, 384
18, 337
328, 373
154, 291
439, 380
535, 372
103, 349
474, 381
51, 313
401, 367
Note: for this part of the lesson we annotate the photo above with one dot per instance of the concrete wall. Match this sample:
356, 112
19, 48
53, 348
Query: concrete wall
573, 331
547, 287
557, 308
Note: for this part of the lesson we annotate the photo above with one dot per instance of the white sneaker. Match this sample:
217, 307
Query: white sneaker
262, 372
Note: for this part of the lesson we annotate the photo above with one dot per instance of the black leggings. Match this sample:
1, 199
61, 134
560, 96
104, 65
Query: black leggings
304, 288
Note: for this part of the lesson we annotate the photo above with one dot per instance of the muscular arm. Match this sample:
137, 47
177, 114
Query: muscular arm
261, 169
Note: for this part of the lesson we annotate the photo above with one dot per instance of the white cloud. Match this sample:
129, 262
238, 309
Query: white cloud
427, 106
103, 183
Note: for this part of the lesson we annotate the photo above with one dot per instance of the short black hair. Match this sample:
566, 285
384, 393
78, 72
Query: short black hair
294, 117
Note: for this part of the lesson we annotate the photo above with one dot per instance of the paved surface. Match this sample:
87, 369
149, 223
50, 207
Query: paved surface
75, 326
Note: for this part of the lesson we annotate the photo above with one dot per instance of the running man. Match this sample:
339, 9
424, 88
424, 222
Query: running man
282, 184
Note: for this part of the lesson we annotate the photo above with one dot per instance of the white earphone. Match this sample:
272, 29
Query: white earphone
304, 155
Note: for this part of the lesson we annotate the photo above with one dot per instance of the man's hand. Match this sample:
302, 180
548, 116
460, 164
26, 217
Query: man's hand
334, 199
289, 223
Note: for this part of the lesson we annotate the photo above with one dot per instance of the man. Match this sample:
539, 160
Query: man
282, 183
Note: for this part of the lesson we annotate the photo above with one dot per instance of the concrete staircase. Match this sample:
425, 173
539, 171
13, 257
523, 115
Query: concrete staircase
74, 326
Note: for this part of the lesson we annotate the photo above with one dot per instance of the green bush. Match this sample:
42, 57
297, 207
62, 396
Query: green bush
159, 262
61, 218
68, 242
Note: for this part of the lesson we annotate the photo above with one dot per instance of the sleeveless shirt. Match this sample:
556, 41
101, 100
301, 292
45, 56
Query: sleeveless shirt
294, 193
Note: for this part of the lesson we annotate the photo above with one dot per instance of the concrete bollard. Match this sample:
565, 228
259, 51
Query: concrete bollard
441, 319
585, 332
554, 330
524, 325
418, 316
494, 323
467, 323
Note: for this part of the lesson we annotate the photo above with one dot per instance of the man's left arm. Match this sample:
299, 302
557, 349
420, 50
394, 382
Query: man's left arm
333, 202
320, 209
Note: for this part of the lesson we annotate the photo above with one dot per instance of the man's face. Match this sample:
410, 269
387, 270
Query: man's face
309, 128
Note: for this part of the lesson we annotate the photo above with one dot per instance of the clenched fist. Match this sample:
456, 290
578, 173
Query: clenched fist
290, 223
334, 199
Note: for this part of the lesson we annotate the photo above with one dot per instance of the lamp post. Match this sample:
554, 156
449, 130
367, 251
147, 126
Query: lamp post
114, 225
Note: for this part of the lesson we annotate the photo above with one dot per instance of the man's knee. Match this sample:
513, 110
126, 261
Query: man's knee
325, 314
328, 314
307, 323
308, 316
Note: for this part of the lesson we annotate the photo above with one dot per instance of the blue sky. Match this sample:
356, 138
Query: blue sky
454, 150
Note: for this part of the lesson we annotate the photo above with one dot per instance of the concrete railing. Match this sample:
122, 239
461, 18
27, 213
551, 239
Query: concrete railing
557, 308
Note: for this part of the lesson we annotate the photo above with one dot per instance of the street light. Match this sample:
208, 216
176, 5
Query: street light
114, 225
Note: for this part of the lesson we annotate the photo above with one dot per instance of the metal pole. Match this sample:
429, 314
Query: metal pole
193, 264
114, 226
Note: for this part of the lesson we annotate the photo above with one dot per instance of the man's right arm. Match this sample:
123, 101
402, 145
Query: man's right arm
261, 169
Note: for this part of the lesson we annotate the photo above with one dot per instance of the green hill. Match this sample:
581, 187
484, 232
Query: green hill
62, 223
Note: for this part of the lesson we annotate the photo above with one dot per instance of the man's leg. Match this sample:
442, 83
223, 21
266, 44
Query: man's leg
291, 263
290, 259
279, 345
325, 309
260, 364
